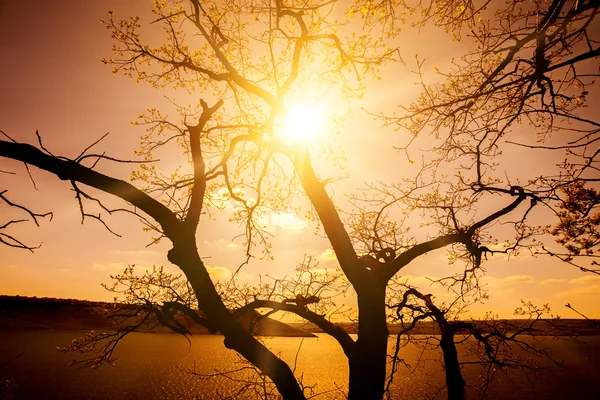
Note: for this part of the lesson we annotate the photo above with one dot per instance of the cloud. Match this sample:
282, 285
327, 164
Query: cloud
586, 279
328, 255
581, 291
519, 278
221, 243
498, 246
284, 221
111, 268
547, 282
221, 199
511, 279
216, 273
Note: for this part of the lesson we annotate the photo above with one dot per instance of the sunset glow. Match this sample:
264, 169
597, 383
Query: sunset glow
317, 115
350, 199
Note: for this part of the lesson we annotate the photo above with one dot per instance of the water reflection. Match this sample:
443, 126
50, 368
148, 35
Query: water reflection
158, 366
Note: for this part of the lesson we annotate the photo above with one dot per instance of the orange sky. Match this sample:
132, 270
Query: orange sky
52, 81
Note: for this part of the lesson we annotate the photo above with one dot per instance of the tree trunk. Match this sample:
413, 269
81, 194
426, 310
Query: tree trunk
368, 361
454, 379
236, 337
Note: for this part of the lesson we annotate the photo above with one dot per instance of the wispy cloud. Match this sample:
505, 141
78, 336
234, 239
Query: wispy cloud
581, 290
218, 273
552, 281
221, 273
328, 255
519, 278
221, 243
110, 268
511, 279
284, 221
498, 246
222, 198
583, 280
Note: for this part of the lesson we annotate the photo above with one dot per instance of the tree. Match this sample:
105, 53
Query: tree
488, 341
249, 62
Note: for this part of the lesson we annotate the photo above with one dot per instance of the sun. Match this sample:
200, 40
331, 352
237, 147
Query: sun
302, 123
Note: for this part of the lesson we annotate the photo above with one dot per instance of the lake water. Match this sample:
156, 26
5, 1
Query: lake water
156, 366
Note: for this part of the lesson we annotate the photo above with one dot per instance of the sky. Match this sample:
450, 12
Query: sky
52, 81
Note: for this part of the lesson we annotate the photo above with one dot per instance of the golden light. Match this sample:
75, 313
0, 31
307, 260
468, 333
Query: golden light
302, 123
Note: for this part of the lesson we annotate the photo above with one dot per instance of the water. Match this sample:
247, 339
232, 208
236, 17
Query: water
157, 366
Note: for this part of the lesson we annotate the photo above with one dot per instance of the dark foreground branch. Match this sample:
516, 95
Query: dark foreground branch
328, 327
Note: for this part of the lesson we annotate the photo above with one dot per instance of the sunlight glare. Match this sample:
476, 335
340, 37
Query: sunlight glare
303, 123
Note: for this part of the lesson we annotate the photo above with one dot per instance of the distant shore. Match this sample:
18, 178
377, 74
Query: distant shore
32, 313
19, 312
550, 327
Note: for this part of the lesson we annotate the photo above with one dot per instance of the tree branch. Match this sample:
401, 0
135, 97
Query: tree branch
199, 189
71, 170
327, 326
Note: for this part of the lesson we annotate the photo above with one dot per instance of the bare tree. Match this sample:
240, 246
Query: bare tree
496, 345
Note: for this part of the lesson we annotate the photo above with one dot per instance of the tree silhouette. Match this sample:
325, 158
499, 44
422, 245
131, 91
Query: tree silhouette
532, 62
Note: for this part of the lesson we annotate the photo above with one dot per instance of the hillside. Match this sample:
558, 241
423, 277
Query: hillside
18, 312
